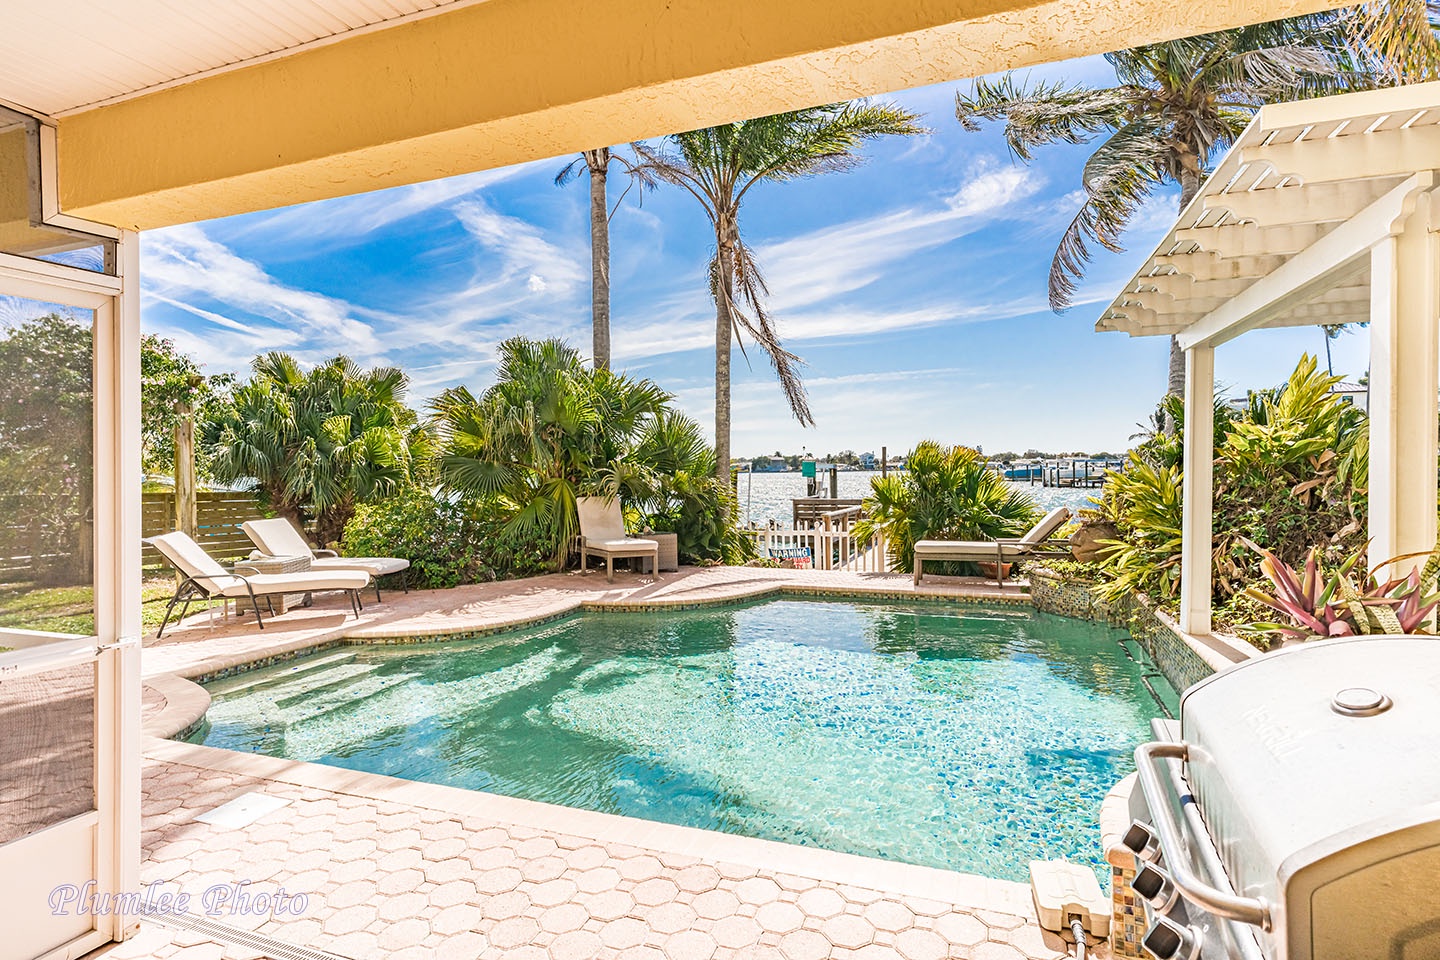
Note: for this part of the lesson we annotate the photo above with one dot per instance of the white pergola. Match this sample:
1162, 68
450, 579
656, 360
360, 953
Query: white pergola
1323, 212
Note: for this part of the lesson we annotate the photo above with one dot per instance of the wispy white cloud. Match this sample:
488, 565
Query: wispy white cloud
821, 264
183, 265
521, 281
350, 220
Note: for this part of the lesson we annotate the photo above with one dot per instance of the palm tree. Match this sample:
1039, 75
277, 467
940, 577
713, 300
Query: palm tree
315, 443
1177, 105
945, 493
719, 166
540, 435
1401, 35
597, 163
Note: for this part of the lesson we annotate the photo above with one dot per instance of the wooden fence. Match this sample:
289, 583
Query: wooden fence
220, 516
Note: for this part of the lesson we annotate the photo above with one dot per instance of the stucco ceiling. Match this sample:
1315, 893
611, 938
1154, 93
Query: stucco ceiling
62, 55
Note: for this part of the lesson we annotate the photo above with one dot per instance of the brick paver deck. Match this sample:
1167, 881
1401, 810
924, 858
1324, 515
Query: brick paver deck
403, 870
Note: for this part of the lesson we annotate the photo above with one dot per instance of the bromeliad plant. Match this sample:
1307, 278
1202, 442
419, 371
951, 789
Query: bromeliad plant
1336, 604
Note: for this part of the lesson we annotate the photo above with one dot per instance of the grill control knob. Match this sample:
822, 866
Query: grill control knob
1140, 840
1155, 887
1167, 940
1360, 702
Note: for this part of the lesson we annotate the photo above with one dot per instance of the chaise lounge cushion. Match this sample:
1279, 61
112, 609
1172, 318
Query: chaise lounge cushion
190, 558
375, 566
279, 538
628, 543
264, 583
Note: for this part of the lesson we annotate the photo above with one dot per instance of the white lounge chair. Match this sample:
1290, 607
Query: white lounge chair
204, 579
279, 538
602, 532
999, 552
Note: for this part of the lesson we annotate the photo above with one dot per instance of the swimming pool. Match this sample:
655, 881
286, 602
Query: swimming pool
970, 739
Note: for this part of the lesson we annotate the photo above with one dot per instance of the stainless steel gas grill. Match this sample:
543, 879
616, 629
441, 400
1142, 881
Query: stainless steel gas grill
1295, 813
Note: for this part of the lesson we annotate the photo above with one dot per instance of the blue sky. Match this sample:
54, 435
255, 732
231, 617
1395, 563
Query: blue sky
913, 287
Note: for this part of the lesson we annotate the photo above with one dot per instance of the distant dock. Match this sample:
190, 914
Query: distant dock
1060, 472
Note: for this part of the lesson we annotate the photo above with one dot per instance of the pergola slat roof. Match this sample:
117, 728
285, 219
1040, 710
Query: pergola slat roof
1280, 233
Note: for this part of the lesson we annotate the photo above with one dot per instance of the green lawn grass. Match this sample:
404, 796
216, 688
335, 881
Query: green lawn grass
72, 609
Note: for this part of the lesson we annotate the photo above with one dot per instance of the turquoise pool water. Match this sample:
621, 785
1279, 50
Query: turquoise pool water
975, 740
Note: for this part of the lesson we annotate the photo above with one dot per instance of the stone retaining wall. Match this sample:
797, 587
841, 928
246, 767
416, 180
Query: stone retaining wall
1181, 663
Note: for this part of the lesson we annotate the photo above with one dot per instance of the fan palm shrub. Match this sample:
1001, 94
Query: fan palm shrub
314, 443
668, 477
719, 167
945, 493
552, 429
539, 434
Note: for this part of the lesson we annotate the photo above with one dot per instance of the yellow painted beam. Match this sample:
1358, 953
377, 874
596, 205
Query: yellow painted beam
505, 81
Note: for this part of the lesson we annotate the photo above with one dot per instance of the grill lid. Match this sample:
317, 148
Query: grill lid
1305, 745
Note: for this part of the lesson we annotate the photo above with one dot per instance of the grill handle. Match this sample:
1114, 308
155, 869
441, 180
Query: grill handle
1222, 903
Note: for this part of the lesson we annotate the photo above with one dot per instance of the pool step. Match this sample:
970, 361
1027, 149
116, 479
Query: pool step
299, 669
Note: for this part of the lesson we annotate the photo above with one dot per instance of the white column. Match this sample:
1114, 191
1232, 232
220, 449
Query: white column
117, 583
1404, 311
1198, 490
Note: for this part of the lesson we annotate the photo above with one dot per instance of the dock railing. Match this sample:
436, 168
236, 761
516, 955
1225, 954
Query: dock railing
828, 542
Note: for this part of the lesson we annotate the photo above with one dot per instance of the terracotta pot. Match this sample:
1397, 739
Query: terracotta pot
987, 570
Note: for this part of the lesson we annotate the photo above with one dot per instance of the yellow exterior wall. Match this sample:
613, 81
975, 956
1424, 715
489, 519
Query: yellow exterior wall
15, 227
505, 81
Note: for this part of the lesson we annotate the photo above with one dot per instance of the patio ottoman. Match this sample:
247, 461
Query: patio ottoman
295, 564
669, 549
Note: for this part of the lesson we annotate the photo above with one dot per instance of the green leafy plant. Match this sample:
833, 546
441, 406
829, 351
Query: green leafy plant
1145, 502
552, 429
1289, 471
945, 493
448, 540
1337, 603
315, 443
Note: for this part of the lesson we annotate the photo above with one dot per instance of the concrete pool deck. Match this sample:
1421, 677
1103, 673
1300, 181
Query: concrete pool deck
406, 870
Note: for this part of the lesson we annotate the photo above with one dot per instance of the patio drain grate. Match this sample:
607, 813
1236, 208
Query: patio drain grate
224, 933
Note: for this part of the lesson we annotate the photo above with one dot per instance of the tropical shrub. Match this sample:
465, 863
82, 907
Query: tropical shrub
669, 479
1144, 502
315, 444
448, 541
945, 493
1289, 472
552, 429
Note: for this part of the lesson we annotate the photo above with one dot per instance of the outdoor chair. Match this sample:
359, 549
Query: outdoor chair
602, 532
1035, 542
279, 538
205, 579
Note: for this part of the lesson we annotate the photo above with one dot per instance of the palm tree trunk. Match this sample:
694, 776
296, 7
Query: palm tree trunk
599, 162
1189, 186
724, 328
1175, 387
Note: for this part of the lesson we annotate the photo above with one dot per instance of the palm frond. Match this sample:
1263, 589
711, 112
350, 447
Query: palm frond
1114, 189
1043, 113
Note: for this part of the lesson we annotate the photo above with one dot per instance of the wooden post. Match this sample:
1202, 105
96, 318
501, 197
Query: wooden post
1404, 301
186, 509
884, 463
834, 482
1197, 490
